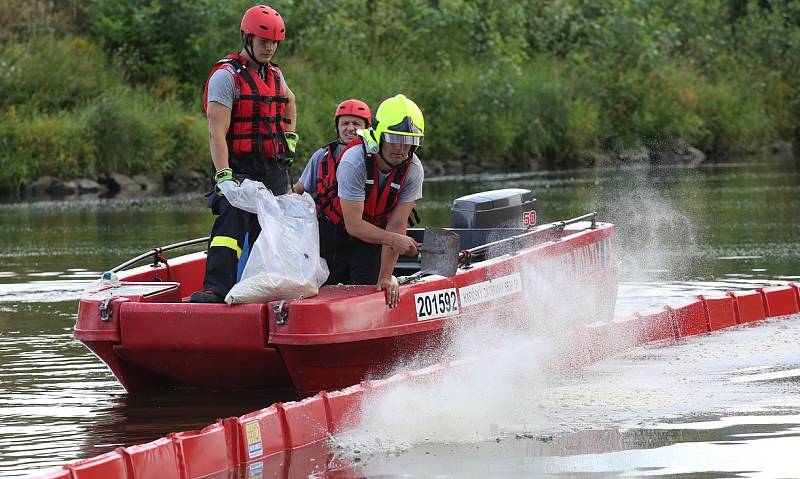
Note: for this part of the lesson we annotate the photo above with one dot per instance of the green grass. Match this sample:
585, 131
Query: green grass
65, 111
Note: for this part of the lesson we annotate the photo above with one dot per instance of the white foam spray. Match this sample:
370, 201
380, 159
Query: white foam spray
525, 353
637, 412
655, 237
509, 359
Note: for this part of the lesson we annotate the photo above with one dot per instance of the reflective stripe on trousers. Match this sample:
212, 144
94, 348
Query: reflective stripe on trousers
226, 242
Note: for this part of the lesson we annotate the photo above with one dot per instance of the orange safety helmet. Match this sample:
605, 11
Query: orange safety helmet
263, 21
352, 107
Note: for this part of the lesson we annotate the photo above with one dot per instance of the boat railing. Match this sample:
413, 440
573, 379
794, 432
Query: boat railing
158, 253
514, 243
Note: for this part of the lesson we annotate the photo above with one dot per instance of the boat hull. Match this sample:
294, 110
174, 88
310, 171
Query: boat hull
150, 336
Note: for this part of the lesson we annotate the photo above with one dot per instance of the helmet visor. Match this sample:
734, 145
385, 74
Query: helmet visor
402, 139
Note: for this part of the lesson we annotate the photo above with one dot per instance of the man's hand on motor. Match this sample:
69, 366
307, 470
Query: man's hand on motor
392, 288
404, 245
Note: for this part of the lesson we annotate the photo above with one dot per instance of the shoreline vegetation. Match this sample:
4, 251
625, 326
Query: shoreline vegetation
105, 96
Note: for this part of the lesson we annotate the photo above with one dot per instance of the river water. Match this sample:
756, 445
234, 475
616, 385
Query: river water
722, 405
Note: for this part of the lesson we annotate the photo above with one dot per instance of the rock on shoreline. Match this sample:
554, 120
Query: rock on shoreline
185, 180
116, 185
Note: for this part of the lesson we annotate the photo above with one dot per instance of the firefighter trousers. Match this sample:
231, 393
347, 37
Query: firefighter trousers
350, 260
227, 242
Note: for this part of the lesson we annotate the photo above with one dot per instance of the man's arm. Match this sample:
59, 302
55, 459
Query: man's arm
219, 120
397, 224
290, 115
386, 281
309, 175
353, 213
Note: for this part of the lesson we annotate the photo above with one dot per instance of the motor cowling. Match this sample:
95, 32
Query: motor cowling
506, 208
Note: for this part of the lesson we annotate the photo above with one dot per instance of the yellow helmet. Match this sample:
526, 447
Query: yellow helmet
398, 120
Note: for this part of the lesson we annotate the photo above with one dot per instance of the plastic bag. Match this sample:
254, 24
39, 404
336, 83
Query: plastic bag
284, 262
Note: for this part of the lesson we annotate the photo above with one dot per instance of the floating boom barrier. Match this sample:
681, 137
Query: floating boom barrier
280, 440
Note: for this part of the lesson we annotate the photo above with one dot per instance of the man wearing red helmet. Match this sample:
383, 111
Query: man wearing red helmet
350, 116
252, 118
319, 178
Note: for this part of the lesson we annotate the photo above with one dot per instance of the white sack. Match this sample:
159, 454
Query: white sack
284, 262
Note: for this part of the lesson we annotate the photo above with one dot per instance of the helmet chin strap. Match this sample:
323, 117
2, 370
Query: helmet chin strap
247, 43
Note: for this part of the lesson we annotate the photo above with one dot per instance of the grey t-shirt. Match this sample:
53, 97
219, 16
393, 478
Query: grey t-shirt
222, 88
352, 176
309, 176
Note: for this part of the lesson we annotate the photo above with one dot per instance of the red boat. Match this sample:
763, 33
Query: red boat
144, 329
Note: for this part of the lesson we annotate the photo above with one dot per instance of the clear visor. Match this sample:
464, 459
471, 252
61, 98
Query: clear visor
402, 139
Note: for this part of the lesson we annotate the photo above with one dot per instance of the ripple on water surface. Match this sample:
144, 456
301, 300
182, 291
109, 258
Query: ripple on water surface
715, 406
726, 403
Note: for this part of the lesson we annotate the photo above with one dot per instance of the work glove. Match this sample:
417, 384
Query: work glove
225, 182
291, 146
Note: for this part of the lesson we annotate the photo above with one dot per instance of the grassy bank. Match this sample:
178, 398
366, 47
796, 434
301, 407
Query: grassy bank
532, 85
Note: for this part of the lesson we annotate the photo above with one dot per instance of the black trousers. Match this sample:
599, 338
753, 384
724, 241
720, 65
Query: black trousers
227, 242
232, 224
350, 260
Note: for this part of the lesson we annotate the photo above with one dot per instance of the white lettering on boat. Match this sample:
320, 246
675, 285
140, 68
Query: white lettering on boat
254, 445
489, 290
436, 304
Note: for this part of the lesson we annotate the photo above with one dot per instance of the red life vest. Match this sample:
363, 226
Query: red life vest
379, 201
327, 199
257, 127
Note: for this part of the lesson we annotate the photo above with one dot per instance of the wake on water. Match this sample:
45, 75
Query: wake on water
526, 385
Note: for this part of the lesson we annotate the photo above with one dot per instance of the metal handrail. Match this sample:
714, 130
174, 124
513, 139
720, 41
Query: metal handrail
553, 228
156, 252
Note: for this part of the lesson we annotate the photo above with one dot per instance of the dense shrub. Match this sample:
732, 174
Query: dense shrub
53, 145
134, 132
150, 40
46, 74
504, 84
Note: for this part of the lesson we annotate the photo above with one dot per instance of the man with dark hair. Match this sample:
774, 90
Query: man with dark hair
252, 118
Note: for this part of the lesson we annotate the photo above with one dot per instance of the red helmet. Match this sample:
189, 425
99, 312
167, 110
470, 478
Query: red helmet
263, 21
353, 107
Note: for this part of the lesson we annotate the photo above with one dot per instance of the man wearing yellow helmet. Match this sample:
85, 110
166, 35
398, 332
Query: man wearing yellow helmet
367, 200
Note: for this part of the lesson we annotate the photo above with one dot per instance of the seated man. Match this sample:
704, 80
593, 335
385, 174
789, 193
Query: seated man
364, 201
350, 116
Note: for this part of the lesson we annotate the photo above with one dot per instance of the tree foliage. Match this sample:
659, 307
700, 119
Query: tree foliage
503, 83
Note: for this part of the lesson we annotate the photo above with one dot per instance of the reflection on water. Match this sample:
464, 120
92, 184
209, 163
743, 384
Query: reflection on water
746, 449
680, 232
58, 402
